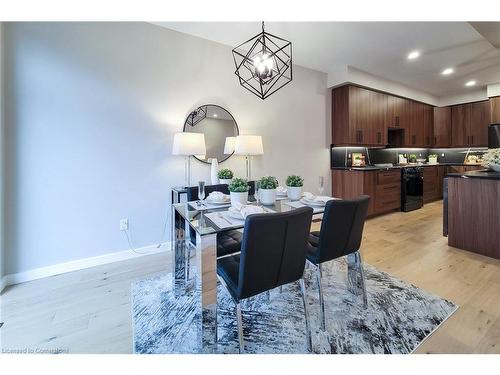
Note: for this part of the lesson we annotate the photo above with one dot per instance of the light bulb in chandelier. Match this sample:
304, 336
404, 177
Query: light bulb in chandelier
263, 65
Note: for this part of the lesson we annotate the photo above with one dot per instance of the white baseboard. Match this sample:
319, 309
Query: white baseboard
75, 265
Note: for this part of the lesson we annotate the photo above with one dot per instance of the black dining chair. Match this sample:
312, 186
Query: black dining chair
273, 253
340, 235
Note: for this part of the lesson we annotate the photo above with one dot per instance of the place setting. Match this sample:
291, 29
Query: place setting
236, 214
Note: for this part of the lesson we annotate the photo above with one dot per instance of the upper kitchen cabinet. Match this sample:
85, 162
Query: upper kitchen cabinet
398, 115
495, 110
358, 117
428, 125
442, 127
460, 123
479, 122
469, 124
417, 115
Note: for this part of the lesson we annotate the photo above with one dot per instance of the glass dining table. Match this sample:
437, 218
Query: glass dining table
195, 226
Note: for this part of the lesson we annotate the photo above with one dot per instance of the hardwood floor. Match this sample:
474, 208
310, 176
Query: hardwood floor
89, 311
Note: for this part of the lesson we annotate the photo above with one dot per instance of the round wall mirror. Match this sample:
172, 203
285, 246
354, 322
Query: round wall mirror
217, 124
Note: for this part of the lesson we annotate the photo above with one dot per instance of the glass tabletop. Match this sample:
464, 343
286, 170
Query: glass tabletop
211, 220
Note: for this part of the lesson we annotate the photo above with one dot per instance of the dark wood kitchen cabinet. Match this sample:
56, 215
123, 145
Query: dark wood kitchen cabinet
495, 110
358, 116
416, 124
432, 182
479, 122
442, 127
469, 124
398, 115
428, 125
383, 187
460, 123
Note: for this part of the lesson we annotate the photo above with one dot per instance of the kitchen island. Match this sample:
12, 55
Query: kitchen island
474, 212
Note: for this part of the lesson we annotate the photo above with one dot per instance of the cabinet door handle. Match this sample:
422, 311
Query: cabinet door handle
379, 137
435, 140
468, 140
397, 120
413, 139
472, 140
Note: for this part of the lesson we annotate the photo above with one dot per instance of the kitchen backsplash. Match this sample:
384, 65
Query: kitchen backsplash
340, 155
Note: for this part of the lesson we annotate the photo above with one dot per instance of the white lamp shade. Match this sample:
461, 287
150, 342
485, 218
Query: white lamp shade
189, 144
229, 145
248, 145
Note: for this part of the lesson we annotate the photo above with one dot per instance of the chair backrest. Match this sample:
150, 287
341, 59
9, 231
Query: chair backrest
273, 250
192, 191
342, 228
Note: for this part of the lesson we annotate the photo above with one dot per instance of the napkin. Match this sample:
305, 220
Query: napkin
246, 209
316, 198
218, 196
281, 190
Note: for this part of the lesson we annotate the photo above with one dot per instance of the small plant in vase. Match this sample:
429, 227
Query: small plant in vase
238, 190
294, 187
267, 191
225, 176
491, 159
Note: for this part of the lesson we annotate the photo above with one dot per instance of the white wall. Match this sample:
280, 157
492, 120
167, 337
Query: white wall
91, 113
466, 97
493, 90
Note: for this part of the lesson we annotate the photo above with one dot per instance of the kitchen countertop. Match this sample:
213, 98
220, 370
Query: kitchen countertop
489, 175
396, 166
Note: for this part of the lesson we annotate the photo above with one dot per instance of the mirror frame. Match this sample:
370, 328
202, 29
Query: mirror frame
235, 124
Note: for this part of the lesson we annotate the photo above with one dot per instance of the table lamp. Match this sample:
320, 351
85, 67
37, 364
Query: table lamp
248, 146
229, 145
188, 144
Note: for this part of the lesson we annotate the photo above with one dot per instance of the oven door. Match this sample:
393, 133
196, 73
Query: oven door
413, 191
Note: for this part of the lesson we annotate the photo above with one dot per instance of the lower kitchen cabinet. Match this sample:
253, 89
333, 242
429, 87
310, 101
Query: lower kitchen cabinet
433, 184
383, 187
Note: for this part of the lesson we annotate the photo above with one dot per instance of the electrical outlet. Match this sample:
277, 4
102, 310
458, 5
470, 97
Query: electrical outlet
124, 224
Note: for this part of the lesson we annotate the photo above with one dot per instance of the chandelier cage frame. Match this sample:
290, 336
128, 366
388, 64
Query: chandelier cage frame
277, 49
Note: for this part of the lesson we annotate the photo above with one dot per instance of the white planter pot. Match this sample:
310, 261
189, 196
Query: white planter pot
267, 196
294, 193
495, 167
241, 198
226, 181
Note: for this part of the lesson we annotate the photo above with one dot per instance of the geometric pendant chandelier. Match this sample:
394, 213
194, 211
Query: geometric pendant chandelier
263, 63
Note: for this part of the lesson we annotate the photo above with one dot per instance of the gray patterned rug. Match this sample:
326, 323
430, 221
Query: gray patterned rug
399, 317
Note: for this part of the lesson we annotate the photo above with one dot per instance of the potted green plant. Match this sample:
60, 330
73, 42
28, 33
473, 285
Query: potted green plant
412, 158
238, 190
491, 159
294, 185
267, 190
225, 176
433, 158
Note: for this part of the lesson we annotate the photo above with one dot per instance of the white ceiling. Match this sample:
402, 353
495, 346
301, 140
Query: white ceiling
378, 48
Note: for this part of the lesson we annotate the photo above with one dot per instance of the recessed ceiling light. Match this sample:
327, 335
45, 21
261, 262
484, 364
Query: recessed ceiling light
448, 71
413, 55
470, 83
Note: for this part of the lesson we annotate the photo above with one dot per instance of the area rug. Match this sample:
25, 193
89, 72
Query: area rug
398, 318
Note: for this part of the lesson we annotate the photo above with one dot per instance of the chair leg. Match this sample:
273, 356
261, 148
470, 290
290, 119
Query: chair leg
281, 289
321, 300
362, 276
306, 314
268, 296
240, 328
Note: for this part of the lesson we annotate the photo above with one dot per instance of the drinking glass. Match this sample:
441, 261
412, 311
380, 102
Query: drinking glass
201, 190
321, 185
257, 188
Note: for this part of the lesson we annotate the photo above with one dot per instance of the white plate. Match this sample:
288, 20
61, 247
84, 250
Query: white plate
312, 203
